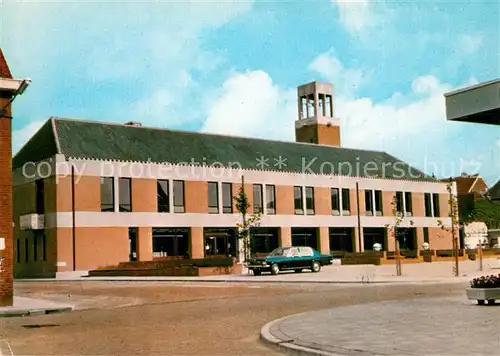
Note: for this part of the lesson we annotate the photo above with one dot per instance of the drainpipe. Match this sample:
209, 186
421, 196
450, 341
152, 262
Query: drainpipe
73, 214
359, 217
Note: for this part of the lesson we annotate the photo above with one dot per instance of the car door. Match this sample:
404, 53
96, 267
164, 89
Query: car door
294, 258
305, 259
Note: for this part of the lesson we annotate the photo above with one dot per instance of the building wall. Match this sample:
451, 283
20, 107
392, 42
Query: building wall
6, 258
102, 237
328, 135
440, 239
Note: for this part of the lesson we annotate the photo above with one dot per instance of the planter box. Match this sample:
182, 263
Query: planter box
483, 294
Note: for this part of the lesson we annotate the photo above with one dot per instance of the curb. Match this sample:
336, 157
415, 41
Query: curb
125, 279
33, 312
288, 346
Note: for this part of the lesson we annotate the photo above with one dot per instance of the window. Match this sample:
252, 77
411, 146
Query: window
40, 191
270, 199
213, 197
257, 199
107, 194
125, 194
426, 234
26, 251
399, 203
435, 203
227, 198
305, 251
335, 198
369, 202
263, 240
35, 246
179, 196
428, 205
163, 196
18, 251
170, 242
44, 247
408, 204
298, 202
346, 202
310, 200
378, 202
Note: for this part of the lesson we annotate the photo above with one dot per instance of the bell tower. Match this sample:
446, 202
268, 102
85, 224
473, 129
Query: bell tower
316, 122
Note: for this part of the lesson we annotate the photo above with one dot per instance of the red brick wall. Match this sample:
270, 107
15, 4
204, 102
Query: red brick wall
6, 218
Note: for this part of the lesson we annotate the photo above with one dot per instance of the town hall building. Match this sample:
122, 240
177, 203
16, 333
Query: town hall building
93, 194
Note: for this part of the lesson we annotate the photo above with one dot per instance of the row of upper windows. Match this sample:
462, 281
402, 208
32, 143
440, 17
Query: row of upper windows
264, 199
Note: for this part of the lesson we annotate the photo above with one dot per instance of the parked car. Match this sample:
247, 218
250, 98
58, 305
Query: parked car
295, 258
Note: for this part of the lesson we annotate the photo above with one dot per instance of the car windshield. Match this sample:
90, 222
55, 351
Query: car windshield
280, 251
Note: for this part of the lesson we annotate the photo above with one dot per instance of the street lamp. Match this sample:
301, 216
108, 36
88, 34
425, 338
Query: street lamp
453, 235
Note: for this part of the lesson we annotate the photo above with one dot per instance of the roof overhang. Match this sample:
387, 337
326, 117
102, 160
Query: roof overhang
12, 85
478, 104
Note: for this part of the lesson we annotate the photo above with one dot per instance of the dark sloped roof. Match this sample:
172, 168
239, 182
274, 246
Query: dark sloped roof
42, 145
104, 141
494, 192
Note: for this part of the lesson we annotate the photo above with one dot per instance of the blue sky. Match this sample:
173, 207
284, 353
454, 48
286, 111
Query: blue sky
233, 68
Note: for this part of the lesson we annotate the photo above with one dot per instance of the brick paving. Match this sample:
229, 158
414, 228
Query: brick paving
437, 326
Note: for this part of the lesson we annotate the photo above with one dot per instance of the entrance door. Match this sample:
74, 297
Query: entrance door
216, 245
132, 237
220, 242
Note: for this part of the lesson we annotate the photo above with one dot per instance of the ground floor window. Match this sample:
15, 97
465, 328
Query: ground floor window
342, 239
373, 235
461, 237
407, 238
264, 240
305, 236
170, 242
220, 242
132, 238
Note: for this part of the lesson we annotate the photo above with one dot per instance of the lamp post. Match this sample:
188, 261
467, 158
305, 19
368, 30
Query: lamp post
10, 88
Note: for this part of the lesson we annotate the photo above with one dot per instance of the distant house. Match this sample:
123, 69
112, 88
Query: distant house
494, 192
470, 187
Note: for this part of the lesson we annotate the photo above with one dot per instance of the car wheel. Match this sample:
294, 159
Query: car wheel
298, 270
275, 269
257, 272
316, 267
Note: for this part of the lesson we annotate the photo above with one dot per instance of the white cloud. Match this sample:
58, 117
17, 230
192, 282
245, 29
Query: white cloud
347, 81
356, 16
251, 105
21, 136
156, 44
390, 125
411, 125
470, 44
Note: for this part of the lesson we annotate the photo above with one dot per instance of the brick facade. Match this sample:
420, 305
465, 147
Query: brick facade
6, 218
109, 244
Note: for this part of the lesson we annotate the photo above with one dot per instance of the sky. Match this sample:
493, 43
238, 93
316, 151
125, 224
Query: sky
232, 67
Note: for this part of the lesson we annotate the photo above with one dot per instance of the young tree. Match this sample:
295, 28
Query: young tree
453, 214
247, 221
393, 230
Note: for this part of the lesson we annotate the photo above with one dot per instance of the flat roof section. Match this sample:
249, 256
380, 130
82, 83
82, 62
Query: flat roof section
478, 104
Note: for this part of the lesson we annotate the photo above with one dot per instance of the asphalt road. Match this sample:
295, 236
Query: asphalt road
179, 320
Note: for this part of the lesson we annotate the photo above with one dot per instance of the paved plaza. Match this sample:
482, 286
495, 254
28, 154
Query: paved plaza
436, 272
436, 326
